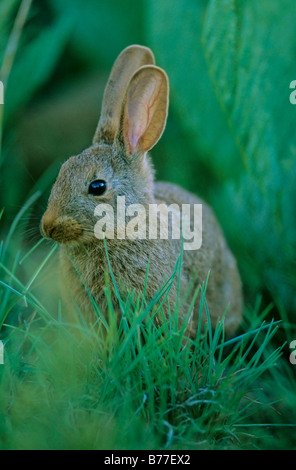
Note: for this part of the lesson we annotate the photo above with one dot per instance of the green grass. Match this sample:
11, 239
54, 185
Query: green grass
141, 385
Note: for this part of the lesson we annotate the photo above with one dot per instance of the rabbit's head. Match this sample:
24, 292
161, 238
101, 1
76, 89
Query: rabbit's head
133, 118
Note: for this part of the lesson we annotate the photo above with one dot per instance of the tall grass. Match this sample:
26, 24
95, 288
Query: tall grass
11, 47
139, 385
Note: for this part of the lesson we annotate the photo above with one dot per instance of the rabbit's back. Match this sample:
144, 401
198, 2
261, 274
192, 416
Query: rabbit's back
224, 289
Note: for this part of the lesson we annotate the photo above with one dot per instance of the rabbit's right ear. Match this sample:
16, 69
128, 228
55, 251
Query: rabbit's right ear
145, 110
126, 64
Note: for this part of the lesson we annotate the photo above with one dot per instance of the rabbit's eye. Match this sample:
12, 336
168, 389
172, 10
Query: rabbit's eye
97, 188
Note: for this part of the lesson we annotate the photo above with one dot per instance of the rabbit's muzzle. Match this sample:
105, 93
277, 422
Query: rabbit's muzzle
62, 229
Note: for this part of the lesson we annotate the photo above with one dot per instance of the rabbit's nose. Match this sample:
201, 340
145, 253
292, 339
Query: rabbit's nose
48, 224
62, 229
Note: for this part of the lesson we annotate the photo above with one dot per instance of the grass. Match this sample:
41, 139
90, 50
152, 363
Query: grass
141, 385
10, 52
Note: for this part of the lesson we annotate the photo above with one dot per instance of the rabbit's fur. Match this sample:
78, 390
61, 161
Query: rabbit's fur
134, 112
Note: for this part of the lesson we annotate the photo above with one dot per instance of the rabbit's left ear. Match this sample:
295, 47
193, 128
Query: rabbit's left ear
126, 64
145, 109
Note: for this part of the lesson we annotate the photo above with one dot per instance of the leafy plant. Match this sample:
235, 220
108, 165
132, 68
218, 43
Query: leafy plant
102, 29
230, 65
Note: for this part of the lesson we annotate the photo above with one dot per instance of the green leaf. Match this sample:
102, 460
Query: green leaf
102, 28
35, 64
248, 63
230, 64
249, 60
175, 33
7, 8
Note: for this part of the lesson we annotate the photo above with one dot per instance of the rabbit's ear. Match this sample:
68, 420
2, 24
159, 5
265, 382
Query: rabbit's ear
145, 109
130, 60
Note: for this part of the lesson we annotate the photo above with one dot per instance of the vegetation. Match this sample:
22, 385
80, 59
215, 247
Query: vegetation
230, 138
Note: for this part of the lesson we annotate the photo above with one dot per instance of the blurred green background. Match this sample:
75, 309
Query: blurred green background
231, 129
230, 138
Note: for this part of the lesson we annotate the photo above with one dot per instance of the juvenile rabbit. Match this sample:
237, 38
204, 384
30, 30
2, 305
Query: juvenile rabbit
133, 118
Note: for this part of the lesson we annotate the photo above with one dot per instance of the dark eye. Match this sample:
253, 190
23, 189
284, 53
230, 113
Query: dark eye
97, 188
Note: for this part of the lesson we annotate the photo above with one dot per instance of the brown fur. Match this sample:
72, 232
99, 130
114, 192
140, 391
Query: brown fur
119, 157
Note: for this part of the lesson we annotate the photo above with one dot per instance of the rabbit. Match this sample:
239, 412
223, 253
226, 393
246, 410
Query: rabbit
133, 118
